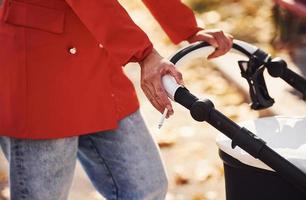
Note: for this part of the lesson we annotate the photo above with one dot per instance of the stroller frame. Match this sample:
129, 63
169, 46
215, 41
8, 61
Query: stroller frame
252, 70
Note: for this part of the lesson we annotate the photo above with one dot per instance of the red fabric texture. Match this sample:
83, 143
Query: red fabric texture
176, 18
61, 64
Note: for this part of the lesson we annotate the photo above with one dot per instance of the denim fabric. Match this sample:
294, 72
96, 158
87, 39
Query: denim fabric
40, 170
122, 164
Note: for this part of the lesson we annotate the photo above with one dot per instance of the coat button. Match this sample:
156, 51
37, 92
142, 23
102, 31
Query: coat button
101, 46
72, 50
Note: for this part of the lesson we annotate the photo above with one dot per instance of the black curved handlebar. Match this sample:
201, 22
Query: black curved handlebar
252, 70
205, 111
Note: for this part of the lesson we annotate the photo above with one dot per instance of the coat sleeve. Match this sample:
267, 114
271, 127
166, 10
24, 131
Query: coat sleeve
177, 20
111, 25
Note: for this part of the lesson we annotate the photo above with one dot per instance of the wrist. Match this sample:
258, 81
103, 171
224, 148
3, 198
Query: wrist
151, 57
193, 38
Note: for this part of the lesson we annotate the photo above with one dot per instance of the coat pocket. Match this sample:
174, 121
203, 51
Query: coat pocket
36, 17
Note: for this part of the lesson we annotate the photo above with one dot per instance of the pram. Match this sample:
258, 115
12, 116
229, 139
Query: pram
288, 181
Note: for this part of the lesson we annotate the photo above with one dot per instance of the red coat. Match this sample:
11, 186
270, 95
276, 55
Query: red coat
61, 63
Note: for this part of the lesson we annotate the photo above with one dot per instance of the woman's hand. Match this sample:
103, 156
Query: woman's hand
217, 38
153, 68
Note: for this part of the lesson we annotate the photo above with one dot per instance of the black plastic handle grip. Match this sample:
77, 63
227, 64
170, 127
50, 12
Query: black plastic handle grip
205, 111
295, 80
278, 68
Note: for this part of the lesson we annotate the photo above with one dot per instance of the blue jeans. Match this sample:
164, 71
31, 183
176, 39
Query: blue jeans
122, 164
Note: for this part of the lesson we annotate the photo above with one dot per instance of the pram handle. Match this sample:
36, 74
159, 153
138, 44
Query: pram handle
277, 67
295, 81
205, 111
258, 61
200, 50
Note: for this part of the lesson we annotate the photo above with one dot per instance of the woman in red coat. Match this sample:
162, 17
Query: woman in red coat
63, 94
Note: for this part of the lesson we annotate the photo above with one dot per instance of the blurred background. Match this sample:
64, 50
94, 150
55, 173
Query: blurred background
188, 148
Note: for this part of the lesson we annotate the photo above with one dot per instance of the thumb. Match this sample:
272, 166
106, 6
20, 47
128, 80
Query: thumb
176, 74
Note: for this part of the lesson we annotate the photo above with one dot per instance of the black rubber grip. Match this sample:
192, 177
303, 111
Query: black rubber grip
193, 47
184, 97
295, 80
248, 140
241, 137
